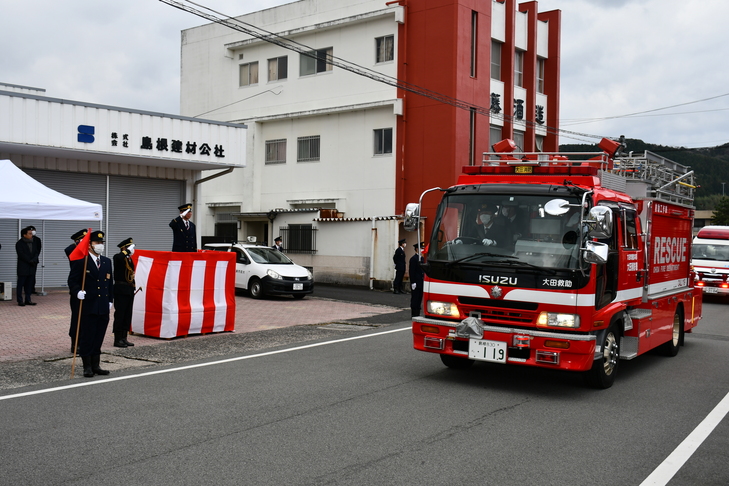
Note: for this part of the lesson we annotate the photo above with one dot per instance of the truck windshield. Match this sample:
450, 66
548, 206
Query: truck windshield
705, 251
508, 230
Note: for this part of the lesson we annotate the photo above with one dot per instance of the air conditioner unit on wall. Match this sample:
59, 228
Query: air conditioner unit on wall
6, 290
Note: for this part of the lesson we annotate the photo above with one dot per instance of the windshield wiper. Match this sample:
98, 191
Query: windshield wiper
466, 258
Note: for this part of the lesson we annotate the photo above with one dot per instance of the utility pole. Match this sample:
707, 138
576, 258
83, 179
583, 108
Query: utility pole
722, 189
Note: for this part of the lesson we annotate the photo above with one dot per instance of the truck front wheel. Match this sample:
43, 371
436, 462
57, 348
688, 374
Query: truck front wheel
456, 363
604, 369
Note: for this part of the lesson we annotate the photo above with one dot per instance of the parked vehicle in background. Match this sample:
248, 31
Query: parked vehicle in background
262, 271
710, 259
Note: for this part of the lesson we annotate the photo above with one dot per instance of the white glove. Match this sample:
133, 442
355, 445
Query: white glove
81, 295
110, 305
488, 242
412, 286
458, 242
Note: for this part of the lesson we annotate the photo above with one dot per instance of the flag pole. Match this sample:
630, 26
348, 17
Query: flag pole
78, 320
84, 251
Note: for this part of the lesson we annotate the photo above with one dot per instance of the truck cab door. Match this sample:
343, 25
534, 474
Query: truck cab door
631, 276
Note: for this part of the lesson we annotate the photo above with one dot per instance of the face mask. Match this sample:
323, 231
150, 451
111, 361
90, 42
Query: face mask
99, 249
130, 249
485, 218
32, 232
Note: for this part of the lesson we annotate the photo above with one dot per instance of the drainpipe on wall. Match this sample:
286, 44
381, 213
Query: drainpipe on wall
372, 251
205, 179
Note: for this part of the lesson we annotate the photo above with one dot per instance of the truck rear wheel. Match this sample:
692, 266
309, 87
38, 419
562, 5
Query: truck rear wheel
602, 374
671, 347
456, 363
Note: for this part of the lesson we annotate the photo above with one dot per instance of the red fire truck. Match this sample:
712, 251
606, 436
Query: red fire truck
562, 261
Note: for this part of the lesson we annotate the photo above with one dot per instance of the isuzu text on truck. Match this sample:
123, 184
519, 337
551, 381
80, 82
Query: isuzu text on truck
539, 260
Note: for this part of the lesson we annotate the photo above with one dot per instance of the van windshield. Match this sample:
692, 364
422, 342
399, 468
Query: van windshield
268, 255
703, 251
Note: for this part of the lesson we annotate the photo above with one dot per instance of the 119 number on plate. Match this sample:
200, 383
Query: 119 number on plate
484, 350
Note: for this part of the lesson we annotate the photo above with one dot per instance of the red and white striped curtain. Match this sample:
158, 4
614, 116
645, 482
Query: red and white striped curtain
183, 293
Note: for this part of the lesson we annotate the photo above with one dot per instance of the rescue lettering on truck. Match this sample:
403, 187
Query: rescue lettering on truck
571, 264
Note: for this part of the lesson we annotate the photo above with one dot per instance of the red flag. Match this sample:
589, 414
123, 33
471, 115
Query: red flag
82, 249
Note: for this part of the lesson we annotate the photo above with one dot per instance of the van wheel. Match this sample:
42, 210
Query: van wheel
456, 363
255, 288
604, 369
671, 347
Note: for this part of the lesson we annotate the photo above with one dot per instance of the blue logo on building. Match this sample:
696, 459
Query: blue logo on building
85, 134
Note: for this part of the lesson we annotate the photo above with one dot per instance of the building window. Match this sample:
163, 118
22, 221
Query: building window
383, 141
519, 141
519, 69
494, 135
249, 74
308, 148
540, 75
385, 48
472, 137
539, 142
298, 238
474, 41
315, 62
276, 151
496, 60
278, 68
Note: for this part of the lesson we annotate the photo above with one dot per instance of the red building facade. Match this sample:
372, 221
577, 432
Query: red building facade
452, 47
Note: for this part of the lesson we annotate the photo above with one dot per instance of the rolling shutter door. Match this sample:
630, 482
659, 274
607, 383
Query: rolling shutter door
142, 209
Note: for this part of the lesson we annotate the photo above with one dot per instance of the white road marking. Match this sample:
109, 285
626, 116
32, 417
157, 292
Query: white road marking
200, 365
670, 466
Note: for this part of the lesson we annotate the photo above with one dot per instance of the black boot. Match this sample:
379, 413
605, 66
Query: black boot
95, 360
127, 342
119, 340
88, 372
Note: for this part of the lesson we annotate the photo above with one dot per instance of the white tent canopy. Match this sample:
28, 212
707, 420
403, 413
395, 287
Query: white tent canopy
22, 197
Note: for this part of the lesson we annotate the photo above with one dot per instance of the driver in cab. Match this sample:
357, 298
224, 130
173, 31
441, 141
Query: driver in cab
491, 230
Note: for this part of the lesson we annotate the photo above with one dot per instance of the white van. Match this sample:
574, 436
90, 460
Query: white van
710, 259
264, 271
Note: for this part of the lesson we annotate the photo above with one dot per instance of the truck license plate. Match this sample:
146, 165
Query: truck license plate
484, 350
298, 286
523, 169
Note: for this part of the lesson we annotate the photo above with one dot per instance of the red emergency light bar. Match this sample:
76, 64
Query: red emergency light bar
714, 232
528, 169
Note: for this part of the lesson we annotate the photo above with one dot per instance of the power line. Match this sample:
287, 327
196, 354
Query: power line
273, 38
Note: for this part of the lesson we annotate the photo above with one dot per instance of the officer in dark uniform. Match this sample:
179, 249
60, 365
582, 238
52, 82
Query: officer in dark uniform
76, 237
124, 288
277, 244
416, 280
183, 230
96, 297
399, 259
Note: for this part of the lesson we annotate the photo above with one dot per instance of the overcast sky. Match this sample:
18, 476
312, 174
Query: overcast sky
665, 62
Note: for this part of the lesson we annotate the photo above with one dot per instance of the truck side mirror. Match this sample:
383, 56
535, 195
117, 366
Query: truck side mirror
412, 215
600, 222
595, 252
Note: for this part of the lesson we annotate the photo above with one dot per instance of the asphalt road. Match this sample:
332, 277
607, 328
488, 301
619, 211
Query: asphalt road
363, 408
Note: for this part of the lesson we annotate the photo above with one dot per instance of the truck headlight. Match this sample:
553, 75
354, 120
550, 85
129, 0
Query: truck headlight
554, 319
273, 274
443, 308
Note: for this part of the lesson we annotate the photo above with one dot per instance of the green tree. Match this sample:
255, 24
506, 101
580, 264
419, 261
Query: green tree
721, 213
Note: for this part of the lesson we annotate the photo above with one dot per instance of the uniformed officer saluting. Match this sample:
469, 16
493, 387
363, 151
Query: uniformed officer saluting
95, 290
183, 230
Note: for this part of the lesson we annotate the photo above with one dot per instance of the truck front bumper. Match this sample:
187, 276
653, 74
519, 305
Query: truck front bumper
527, 347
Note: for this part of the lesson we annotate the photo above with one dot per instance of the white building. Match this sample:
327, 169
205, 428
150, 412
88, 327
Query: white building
139, 166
